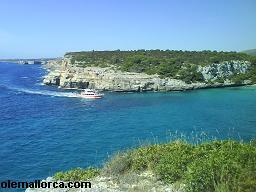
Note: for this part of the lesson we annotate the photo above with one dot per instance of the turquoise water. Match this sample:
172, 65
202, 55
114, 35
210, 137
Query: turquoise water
43, 130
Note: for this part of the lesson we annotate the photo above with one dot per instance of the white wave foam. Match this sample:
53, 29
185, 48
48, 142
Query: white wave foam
43, 92
49, 93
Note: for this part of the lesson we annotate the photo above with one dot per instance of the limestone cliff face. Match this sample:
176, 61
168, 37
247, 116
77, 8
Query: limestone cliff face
65, 75
224, 70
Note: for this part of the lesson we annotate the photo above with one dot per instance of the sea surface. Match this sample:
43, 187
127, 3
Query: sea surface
44, 130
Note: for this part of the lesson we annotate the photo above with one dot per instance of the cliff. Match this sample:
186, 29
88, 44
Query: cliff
65, 74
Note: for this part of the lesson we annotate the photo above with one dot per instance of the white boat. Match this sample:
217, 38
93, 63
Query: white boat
90, 94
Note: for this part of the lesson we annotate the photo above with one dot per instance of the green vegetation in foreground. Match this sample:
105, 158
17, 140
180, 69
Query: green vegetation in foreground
216, 166
168, 63
77, 174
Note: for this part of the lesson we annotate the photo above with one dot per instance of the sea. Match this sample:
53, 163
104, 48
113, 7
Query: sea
44, 130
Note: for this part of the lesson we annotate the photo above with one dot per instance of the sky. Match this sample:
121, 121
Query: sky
49, 28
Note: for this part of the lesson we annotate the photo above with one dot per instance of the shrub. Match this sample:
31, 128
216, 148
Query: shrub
77, 174
173, 164
216, 166
118, 164
190, 74
239, 78
223, 165
252, 74
220, 80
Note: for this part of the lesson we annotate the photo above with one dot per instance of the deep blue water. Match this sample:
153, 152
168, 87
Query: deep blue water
41, 132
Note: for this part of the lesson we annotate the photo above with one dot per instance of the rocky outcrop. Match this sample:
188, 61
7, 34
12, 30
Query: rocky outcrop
133, 182
110, 80
224, 70
65, 75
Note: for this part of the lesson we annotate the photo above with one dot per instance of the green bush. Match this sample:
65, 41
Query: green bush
252, 74
190, 74
216, 166
172, 165
220, 80
224, 165
118, 164
77, 174
239, 78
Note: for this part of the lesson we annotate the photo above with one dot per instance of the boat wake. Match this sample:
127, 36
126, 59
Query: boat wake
41, 92
48, 93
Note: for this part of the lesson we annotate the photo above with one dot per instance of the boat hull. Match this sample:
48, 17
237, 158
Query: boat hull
90, 96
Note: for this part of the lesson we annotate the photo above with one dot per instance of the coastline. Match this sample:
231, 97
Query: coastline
63, 74
108, 181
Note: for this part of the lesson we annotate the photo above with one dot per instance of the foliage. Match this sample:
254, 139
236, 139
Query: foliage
214, 166
251, 75
119, 164
77, 174
220, 80
221, 164
239, 78
190, 74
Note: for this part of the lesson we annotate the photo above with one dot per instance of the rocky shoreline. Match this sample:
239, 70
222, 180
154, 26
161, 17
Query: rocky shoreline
69, 76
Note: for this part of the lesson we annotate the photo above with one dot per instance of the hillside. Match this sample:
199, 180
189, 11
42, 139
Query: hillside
250, 52
167, 63
151, 70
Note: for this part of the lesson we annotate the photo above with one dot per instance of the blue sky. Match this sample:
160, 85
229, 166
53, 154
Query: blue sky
49, 28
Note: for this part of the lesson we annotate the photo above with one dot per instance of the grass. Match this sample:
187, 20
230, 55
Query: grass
214, 166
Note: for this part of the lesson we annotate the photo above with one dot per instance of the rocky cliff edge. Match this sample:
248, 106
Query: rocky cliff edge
65, 75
